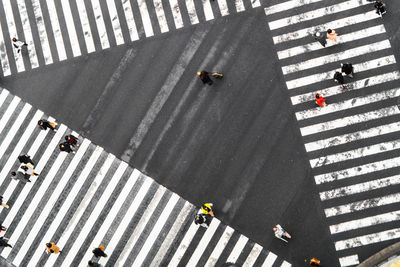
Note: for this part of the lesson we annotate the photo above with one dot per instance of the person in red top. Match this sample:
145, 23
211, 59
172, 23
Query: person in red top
320, 100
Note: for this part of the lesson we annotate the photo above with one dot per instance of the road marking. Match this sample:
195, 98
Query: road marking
69, 21
87, 32
192, 12
176, 13
255, 3
288, 5
235, 253
270, 260
148, 28
285, 264
101, 28
239, 5
349, 261
208, 12
162, 20
130, 21
55, 25
9, 111
180, 251
5, 64
223, 7
112, 11
253, 255
222, 242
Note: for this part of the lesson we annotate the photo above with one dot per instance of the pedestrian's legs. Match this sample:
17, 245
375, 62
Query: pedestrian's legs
4, 205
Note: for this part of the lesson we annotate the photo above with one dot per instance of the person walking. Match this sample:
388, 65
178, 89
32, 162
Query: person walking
2, 228
3, 242
338, 77
380, 7
66, 147
281, 233
321, 38
26, 159
18, 44
94, 264
3, 204
331, 35
207, 209
348, 69
23, 177
29, 170
203, 220
71, 140
320, 100
52, 248
204, 77
44, 124
98, 252
315, 263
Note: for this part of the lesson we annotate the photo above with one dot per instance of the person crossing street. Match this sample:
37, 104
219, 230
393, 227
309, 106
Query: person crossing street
18, 44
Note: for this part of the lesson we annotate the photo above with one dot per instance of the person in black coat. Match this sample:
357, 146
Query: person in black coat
71, 140
203, 219
66, 147
43, 124
204, 77
338, 77
25, 159
321, 38
3, 242
347, 68
98, 252
23, 177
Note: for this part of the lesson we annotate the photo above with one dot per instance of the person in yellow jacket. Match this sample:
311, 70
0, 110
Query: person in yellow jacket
52, 248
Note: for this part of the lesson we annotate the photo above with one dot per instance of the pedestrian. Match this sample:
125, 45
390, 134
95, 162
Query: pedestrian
71, 140
23, 177
315, 263
207, 209
98, 252
281, 233
3, 242
331, 35
26, 159
18, 44
44, 124
320, 100
52, 248
338, 77
380, 7
3, 204
203, 219
348, 69
66, 147
2, 228
204, 77
94, 264
321, 38
28, 170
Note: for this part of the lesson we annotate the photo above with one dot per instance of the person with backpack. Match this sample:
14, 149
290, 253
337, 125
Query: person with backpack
44, 124
71, 140
338, 77
347, 68
99, 252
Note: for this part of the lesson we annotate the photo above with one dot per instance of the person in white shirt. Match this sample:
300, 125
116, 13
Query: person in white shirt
18, 44
281, 233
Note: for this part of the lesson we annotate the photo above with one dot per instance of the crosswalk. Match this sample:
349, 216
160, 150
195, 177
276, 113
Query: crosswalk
56, 30
353, 142
89, 198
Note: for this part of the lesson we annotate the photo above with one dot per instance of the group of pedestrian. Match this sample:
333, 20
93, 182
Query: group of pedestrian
26, 169
204, 215
69, 143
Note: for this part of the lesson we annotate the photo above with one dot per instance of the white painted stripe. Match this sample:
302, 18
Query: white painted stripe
192, 12
255, 3
87, 32
3, 96
62, 211
44, 41
140, 226
13, 33
101, 28
359, 188
208, 12
147, 247
105, 197
127, 217
237, 249
203, 243
347, 104
39, 192
28, 33
183, 245
285, 264
269, 261
336, 24
130, 21
365, 222
69, 21
63, 181
162, 20
362, 205
6, 141
239, 5
112, 214
253, 255
5, 65
357, 35
316, 13
359, 84
368, 239
176, 13
349, 261
358, 170
8, 113
112, 11
223, 7
368, 65
350, 120
343, 55
355, 153
72, 224
55, 25
287, 5
148, 28
222, 242
173, 232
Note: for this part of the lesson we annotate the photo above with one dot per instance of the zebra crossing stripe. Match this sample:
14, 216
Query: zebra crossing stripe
65, 206
44, 41
114, 212
87, 32
202, 245
162, 20
223, 7
55, 25
148, 28
10, 110
269, 260
235, 253
316, 13
130, 21
72, 224
253, 255
285, 264
28, 33
222, 242
349, 260
208, 12
101, 28
5, 64
287, 6
187, 239
239, 5
192, 12
362, 205
3, 95
359, 188
176, 13
255, 3
95, 213
69, 20
365, 222
112, 11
